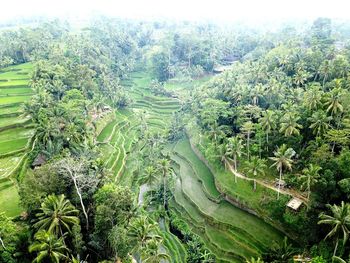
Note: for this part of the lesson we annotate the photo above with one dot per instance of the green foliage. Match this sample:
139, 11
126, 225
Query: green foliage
160, 65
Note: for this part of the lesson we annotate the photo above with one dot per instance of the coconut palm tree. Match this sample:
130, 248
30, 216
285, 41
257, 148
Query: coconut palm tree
235, 144
255, 166
309, 177
300, 77
206, 257
333, 101
289, 124
319, 122
142, 231
224, 153
164, 167
257, 92
216, 133
248, 129
150, 175
313, 97
152, 253
282, 159
281, 251
339, 221
325, 70
268, 122
48, 247
57, 215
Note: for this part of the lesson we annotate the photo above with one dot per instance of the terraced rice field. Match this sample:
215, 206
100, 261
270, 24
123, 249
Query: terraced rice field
15, 133
120, 145
232, 234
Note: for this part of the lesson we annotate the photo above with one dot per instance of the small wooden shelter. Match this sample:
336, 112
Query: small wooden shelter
39, 160
294, 204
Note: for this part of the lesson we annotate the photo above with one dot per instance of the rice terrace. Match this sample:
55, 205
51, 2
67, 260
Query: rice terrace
165, 139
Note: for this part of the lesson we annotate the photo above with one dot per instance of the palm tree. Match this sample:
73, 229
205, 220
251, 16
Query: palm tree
309, 177
282, 159
224, 153
152, 253
216, 133
57, 215
339, 221
235, 145
255, 166
164, 167
319, 122
325, 70
333, 101
300, 77
150, 175
248, 129
142, 231
313, 97
289, 124
268, 122
281, 251
48, 247
207, 257
257, 92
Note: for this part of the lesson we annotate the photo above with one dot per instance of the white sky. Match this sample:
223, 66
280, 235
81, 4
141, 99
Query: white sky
182, 9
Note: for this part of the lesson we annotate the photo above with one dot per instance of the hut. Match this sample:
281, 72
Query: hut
39, 161
294, 204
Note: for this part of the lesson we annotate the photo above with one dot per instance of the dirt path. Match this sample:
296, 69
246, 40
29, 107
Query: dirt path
266, 184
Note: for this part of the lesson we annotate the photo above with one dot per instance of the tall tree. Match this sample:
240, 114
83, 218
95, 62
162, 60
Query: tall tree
339, 221
248, 129
49, 248
309, 177
268, 122
319, 122
282, 159
290, 125
236, 146
164, 167
57, 215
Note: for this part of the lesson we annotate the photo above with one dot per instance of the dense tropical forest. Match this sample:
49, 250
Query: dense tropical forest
160, 141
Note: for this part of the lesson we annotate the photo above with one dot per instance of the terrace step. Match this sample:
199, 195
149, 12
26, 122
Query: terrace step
194, 193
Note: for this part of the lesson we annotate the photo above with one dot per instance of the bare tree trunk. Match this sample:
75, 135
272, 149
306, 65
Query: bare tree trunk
2, 243
81, 202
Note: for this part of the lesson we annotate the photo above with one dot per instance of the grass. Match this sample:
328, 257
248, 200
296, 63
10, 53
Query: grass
106, 131
15, 82
7, 164
15, 133
15, 91
13, 99
6, 121
13, 145
9, 201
